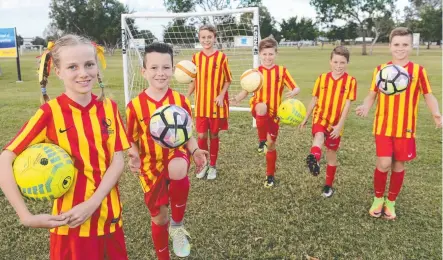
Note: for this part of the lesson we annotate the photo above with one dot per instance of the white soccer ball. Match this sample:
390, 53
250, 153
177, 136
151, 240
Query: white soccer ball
185, 72
170, 126
392, 79
251, 80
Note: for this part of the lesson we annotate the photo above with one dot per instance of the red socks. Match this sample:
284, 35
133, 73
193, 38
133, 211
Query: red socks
395, 184
262, 126
271, 158
330, 174
316, 151
178, 192
380, 179
202, 143
160, 238
213, 151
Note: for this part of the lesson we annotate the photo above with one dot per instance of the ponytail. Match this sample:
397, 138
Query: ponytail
43, 72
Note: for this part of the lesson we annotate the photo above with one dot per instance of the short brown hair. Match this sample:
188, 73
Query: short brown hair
208, 27
399, 31
342, 51
268, 42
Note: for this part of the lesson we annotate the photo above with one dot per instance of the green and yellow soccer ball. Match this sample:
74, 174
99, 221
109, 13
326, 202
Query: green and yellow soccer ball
392, 79
43, 172
170, 126
291, 112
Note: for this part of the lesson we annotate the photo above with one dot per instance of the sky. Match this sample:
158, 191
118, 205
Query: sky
31, 17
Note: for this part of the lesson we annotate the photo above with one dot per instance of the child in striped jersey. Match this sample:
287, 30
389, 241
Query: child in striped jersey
86, 222
395, 123
331, 99
264, 103
211, 96
163, 172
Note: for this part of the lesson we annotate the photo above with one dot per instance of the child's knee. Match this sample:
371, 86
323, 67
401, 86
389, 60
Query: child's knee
162, 217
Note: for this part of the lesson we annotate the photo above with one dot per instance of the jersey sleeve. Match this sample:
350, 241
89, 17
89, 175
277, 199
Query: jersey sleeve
288, 80
187, 106
374, 79
423, 82
316, 89
227, 70
121, 139
32, 132
353, 90
131, 124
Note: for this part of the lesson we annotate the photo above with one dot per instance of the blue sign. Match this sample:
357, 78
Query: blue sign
8, 45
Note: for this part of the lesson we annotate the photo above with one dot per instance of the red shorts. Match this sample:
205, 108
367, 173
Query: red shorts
331, 144
158, 195
401, 149
273, 125
72, 247
214, 125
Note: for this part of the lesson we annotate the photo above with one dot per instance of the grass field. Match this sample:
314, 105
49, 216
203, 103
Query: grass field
234, 217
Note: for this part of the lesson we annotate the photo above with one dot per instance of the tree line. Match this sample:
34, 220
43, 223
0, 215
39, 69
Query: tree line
100, 20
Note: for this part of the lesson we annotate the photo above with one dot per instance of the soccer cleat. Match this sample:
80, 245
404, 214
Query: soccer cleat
212, 173
180, 243
376, 208
328, 191
313, 165
262, 147
269, 182
203, 172
389, 210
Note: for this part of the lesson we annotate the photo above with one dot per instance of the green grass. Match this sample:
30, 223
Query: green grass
234, 217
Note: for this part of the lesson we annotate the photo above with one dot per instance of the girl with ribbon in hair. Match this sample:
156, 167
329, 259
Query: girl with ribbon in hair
86, 221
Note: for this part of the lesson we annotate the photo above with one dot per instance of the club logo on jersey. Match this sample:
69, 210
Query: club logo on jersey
107, 129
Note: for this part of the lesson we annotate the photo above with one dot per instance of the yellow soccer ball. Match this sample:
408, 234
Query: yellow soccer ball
291, 112
185, 72
251, 80
43, 172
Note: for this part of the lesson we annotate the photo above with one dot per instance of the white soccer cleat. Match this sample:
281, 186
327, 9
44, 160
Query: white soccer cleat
212, 173
180, 243
203, 172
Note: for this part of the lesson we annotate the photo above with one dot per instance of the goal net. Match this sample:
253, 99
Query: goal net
237, 37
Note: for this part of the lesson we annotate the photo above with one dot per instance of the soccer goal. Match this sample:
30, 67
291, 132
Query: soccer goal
237, 36
31, 48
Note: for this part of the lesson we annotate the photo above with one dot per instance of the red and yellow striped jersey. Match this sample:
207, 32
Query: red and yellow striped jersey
91, 135
138, 114
396, 115
332, 95
274, 80
212, 73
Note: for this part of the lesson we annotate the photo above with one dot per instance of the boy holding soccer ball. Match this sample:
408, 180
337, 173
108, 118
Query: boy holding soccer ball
86, 222
395, 123
211, 96
331, 98
162, 171
264, 103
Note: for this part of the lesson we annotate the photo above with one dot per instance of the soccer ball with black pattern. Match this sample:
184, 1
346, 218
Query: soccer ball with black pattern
392, 79
170, 126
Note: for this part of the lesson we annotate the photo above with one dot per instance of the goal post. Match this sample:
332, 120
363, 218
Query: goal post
238, 35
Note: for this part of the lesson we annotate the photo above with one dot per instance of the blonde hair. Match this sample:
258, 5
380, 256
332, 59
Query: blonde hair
208, 27
342, 51
268, 42
53, 55
399, 31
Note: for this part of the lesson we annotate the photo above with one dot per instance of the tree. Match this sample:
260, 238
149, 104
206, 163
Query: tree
38, 41
98, 19
425, 17
266, 21
52, 33
358, 11
342, 33
381, 27
298, 30
20, 40
177, 32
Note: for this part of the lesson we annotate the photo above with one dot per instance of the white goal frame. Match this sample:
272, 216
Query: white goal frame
125, 30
